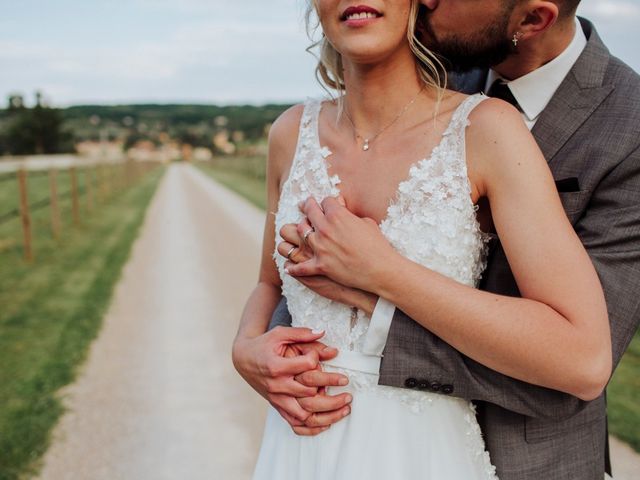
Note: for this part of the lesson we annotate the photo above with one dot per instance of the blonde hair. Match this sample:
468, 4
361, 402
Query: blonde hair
329, 70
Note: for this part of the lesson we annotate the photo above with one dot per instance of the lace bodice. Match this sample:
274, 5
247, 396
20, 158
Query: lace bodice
431, 220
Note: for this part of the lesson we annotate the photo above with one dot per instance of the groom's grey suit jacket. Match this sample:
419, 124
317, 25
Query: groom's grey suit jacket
590, 132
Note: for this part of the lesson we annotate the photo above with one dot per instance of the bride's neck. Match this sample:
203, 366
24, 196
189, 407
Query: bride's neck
375, 94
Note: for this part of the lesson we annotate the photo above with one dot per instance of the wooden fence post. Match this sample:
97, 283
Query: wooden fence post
74, 196
89, 183
123, 175
128, 172
101, 180
55, 209
108, 179
24, 214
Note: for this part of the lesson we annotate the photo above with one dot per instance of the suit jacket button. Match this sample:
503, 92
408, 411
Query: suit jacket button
423, 385
447, 389
435, 386
410, 382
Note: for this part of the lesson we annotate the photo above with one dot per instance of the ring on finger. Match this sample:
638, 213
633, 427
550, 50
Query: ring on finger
307, 233
293, 249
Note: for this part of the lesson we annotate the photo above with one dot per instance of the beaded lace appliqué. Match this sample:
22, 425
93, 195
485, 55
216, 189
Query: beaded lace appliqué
309, 178
431, 220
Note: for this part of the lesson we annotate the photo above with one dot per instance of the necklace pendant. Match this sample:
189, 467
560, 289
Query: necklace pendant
365, 145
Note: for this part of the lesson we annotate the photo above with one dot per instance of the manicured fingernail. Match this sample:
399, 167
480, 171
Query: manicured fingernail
286, 270
343, 382
346, 412
349, 398
317, 332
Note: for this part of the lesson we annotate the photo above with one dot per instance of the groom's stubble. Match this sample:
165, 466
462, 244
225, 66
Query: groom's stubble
489, 45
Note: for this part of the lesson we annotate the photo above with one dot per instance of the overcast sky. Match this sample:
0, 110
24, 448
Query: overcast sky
201, 51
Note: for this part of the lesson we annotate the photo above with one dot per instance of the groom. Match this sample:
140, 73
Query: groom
583, 107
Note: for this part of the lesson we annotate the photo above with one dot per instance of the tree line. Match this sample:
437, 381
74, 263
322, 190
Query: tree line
44, 129
36, 130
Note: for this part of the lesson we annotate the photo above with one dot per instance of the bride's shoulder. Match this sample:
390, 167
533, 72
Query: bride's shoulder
494, 124
283, 136
286, 125
495, 115
498, 141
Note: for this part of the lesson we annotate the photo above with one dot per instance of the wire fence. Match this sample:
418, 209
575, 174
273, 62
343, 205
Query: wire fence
59, 197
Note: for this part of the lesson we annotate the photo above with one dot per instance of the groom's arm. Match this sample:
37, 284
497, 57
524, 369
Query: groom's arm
417, 359
281, 316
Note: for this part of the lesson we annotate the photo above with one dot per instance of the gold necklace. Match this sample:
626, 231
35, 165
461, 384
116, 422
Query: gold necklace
368, 140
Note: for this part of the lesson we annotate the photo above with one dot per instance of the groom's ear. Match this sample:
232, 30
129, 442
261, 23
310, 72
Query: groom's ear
534, 17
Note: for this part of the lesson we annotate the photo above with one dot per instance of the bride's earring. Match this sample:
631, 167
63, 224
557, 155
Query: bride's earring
516, 38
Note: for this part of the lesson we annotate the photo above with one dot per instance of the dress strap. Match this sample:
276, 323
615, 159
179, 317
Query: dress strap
307, 133
309, 121
460, 118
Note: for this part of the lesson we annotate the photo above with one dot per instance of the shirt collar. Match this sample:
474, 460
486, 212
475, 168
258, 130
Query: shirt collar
534, 90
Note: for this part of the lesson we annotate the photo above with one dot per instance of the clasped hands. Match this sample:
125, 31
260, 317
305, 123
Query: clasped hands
338, 255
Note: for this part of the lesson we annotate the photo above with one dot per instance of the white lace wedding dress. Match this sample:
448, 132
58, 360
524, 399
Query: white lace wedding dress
391, 433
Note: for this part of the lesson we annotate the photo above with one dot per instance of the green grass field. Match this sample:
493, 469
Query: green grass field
624, 397
624, 389
52, 309
245, 176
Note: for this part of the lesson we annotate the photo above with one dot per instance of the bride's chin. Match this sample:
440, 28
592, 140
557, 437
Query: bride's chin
367, 61
369, 52
366, 56
362, 60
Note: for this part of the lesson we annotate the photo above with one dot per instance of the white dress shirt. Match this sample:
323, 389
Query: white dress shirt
534, 90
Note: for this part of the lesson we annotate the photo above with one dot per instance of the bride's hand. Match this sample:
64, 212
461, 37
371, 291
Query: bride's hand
323, 410
282, 366
291, 249
352, 297
348, 249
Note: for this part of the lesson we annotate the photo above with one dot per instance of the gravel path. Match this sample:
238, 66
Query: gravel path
625, 462
158, 397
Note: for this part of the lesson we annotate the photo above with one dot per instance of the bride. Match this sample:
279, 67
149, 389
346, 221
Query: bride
415, 159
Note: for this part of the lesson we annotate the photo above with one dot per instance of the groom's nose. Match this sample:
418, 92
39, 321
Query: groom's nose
430, 4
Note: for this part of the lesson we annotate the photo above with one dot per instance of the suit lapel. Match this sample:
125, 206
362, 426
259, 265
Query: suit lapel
579, 95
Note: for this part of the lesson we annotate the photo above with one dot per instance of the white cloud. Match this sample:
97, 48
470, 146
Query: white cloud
612, 10
196, 50
220, 44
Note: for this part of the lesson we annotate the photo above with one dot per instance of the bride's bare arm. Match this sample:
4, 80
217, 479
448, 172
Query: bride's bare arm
263, 300
557, 335
270, 361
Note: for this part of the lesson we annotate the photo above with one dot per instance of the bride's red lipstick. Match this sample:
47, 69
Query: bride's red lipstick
360, 15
